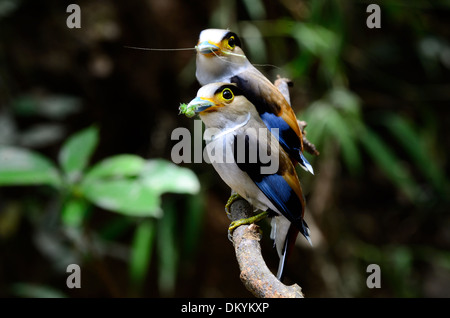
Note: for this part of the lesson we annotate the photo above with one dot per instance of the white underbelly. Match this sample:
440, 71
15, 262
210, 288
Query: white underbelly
223, 162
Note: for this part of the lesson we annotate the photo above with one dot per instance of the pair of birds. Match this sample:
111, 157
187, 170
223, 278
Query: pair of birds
237, 100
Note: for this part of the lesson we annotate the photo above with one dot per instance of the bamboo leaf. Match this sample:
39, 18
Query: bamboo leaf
27, 290
194, 214
389, 164
414, 144
167, 250
141, 251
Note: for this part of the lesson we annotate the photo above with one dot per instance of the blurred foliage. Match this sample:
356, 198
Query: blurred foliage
375, 100
126, 184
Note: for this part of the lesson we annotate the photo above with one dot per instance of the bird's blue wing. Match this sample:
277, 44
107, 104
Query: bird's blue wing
270, 104
274, 186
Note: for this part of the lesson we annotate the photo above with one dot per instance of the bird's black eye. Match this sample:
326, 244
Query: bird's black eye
227, 94
231, 42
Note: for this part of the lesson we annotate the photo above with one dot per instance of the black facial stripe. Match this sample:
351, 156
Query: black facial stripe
237, 41
236, 91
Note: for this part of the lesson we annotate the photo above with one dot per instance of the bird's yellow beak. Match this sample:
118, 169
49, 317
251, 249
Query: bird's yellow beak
207, 48
199, 104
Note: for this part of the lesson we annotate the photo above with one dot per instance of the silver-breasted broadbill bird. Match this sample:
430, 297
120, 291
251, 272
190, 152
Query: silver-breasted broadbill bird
220, 58
249, 159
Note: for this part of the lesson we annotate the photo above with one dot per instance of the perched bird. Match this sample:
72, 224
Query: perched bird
238, 137
220, 58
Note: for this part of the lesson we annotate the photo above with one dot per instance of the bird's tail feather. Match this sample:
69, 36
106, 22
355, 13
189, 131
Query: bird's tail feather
289, 243
304, 163
287, 249
305, 231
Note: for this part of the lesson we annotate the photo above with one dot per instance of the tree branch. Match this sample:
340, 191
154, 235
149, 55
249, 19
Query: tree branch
255, 274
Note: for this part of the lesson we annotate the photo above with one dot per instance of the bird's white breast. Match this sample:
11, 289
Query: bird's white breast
220, 153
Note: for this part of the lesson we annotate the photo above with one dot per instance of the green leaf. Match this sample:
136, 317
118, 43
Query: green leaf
27, 290
315, 38
163, 176
74, 211
256, 49
195, 210
141, 251
255, 9
167, 249
24, 167
126, 196
116, 227
76, 152
129, 185
340, 129
316, 116
346, 101
118, 166
389, 164
336, 118
414, 144
55, 107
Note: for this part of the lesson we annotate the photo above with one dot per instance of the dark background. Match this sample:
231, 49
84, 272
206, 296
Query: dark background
375, 198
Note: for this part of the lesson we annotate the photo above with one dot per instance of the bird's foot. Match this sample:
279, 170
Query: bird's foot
250, 220
230, 201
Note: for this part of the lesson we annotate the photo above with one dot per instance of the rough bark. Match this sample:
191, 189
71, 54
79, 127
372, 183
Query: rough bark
255, 274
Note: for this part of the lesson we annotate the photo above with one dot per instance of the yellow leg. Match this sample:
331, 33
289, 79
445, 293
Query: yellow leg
230, 201
250, 220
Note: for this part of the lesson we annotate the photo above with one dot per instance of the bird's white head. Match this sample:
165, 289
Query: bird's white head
221, 105
219, 56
